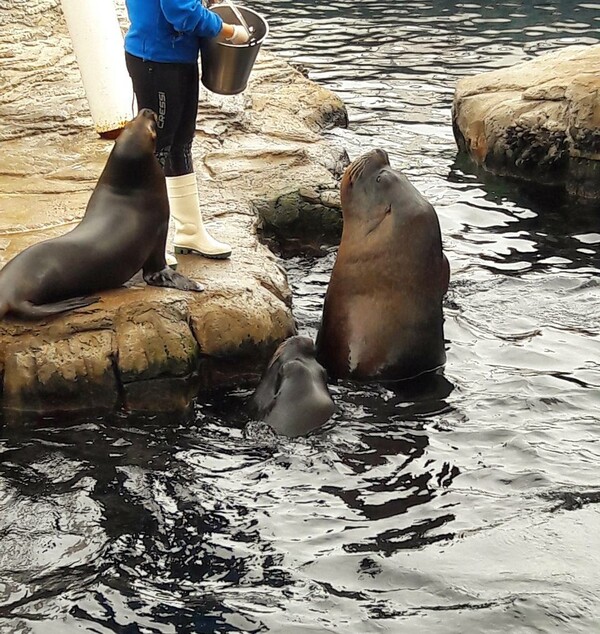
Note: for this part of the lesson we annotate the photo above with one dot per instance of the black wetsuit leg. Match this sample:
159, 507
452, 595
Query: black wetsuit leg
171, 90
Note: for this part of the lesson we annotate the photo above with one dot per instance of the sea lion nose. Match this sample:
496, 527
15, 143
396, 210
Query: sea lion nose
382, 155
149, 114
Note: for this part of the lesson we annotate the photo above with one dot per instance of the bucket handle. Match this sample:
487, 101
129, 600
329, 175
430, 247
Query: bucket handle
239, 16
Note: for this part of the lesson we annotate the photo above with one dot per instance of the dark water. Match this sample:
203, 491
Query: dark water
464, 504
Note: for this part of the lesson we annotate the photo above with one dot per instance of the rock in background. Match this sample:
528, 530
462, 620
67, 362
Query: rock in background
538, 121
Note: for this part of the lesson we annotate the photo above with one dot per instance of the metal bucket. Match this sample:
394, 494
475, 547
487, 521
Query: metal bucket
226, 67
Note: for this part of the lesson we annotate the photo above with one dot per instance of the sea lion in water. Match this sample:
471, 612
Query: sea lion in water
123, 230
292, 396
382, 315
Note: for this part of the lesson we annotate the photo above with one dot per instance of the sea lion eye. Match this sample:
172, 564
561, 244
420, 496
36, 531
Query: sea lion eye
378, 179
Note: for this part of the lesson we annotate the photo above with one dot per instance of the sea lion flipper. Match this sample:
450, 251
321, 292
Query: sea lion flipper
171, 279
135, 280
27, 310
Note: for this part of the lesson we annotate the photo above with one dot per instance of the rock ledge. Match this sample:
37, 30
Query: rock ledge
538, 121
142, 347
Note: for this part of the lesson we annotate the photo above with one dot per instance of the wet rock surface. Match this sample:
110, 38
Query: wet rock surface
142, 347
538, 121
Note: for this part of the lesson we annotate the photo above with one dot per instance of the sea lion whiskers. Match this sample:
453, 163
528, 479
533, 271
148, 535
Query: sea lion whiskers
355, 170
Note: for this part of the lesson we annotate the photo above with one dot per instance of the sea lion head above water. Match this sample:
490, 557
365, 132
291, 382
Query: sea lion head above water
373, 192
292, 396
382, 315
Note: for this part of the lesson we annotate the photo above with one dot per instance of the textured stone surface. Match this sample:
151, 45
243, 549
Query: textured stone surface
150, 348
538, 121
69, 371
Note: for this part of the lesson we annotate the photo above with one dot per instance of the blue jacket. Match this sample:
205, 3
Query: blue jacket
169, 30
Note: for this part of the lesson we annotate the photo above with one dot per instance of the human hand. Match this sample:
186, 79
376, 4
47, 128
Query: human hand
239, 36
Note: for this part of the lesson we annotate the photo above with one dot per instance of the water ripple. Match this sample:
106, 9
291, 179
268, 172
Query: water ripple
464, 502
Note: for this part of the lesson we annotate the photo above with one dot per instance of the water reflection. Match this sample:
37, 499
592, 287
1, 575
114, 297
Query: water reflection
523, 227
395, 63
420, 507
113, 507
169, 521
387, 457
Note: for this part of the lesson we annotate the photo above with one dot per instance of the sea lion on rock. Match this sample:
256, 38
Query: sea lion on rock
292, 396
382, 316
123, 230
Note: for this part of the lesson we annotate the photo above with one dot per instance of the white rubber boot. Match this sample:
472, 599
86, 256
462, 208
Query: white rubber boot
191, 235
169, 249
171, 260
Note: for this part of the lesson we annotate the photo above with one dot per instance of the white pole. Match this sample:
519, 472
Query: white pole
98, 46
